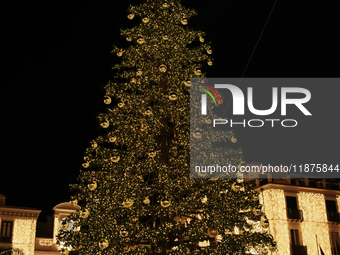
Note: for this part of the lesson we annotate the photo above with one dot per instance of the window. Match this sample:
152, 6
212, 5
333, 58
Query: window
332, 213
292, 209
294, 235
6, 231
335, 243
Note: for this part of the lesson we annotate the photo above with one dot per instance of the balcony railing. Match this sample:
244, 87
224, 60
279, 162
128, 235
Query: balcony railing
299, 250
294, 214
333, 217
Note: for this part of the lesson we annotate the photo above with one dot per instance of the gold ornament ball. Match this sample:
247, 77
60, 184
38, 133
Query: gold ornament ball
165, 203
115, 159
148, 112
120, 53
212, 232
139, 72
105, 124
235, 187
162, 68
166, 5
197, 134
112, 139
140, 40
107, 100
184, 21
133, 80
74, 202
121, 104
128, 202
187, 83
145, 20
84, 214
94, 145
198, 72
208, 120
92, 185
265, 223
210, 63
65, 225
209, 51
124, 233
146, 201
86, 164
201, 39
131, 16
264, 250
257, 211
129, 39
103, 244
152, 154
165, 37
233, 140
173, 96
272, 248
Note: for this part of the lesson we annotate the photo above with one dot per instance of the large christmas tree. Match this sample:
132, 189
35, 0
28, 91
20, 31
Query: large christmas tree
135, 190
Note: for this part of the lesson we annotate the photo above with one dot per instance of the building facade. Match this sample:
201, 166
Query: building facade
303, 213
18, 228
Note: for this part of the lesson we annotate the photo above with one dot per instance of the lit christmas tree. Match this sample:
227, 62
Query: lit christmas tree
135, 190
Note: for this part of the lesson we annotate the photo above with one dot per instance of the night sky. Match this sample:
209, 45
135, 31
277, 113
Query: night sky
56, 59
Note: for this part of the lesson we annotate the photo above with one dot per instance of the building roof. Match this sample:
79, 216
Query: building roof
66, 206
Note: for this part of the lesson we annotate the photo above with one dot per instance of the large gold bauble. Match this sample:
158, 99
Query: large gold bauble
233, 140
103, 244
128, 202
140, 40
112, 139
212, 232
146, 201
121, 104
162, 68
201, 39
86, 164
166, 5
131, 16
209, 51
107, 100
105, 124
197, 134
264, 223
198, 72
65, 225
120, 53
145, 20
172, 96
139, 72
94, 145
235, 187
257, 211
184, 21
264, 250
133, 80
115, 158
129, 39
187, 83
210, 63
124, 233
92, 185
84, 214
152, 154
165, 203
165, 37
148, 112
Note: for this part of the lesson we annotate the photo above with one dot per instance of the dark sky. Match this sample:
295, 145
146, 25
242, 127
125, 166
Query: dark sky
56, 59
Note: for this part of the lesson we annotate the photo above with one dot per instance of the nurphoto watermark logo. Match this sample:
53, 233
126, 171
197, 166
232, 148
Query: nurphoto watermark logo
238, 100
